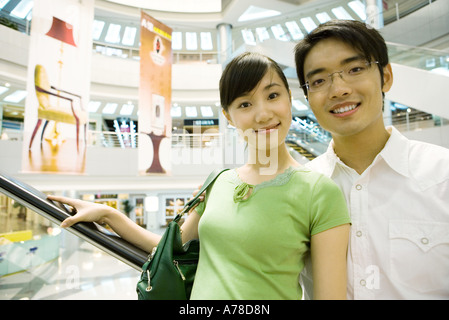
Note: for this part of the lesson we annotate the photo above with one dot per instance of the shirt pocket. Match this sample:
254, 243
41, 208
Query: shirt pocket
419, 255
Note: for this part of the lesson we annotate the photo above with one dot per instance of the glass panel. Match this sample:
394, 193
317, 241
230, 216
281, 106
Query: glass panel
206, 41
262, 34
176, 39
358, 8
206, 111
191, 41
22, 9
176, 111
27, 240
248, 37
279, 33
309, 24
113, 35
110, 108
127, 109
16, 96
3, 3
129, 36
341, 13
323, 17
191, 112
3, 89
93, 106
97, 29
294, 30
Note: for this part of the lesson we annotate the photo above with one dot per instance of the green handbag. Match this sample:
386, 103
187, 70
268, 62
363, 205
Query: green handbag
170, 269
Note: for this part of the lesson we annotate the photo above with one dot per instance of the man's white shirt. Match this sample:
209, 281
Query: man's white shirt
399, 206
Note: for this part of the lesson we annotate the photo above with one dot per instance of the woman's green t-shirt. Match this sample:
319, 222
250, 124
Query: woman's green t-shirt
255, 247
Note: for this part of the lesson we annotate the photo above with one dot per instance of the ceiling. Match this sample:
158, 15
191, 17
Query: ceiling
231, 11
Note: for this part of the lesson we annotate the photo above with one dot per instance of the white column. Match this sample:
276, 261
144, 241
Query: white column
224, 42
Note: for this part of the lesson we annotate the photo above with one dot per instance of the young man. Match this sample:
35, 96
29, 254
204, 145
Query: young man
397, 190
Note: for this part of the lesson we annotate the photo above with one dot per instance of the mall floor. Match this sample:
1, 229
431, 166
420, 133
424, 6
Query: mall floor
83, 274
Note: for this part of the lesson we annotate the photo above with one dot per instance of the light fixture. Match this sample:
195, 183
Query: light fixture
3, 89
358, 8
127, 109
254, 13
16, 96
206, 111
110, 108
191, 112
93, 106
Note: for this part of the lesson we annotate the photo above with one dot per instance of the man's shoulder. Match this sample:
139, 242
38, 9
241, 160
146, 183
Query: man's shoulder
321, 164
428, 163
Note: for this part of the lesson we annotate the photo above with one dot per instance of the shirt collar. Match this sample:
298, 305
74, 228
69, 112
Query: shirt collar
395, 153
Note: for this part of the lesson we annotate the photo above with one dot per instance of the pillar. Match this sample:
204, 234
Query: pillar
224, 42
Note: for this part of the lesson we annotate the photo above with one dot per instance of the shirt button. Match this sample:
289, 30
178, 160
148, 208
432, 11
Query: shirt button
358, 233
363, 282
358, 187
424, 240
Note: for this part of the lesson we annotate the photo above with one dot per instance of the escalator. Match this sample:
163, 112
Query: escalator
302, 151
91, 232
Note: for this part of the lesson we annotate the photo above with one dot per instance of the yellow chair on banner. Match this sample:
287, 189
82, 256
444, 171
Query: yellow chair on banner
59, 112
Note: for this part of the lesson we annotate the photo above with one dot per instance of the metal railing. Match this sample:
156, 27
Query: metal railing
108, 139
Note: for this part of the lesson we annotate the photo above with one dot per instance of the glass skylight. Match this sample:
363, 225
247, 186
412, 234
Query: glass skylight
309, 24
358, 8
191, 112
3, 3
22, 9
323, 17
176, 40
279, 33
253, 13
29, 16
294, 30
206, 111
341, 13
97, 29
3, 89
127, 109
110, 108
262, 34
176, 111
113, 35
16, 96
206, 41
191, 41
248, 37
129, 36
93, 106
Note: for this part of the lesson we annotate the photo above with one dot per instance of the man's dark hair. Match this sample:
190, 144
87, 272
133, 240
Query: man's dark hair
365, 39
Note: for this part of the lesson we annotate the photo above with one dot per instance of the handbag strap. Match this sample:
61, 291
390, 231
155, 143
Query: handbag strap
192, 202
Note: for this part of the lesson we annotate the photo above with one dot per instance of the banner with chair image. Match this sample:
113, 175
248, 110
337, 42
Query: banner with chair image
58, 84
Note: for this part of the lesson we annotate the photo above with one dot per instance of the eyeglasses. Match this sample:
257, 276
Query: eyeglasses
352, 73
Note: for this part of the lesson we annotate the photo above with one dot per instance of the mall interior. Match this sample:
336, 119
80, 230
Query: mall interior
41, 261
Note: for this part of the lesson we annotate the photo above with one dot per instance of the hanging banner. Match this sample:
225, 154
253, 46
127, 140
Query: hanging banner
58, 84
154, 97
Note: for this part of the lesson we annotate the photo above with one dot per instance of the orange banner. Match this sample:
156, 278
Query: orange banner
155, 97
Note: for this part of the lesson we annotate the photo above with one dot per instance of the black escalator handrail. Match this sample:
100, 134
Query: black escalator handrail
89, 231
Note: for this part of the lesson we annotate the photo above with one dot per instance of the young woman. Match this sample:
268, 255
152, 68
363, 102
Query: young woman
259, 222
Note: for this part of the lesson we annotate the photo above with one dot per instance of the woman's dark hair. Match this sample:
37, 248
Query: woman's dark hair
363, 38
243, 74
